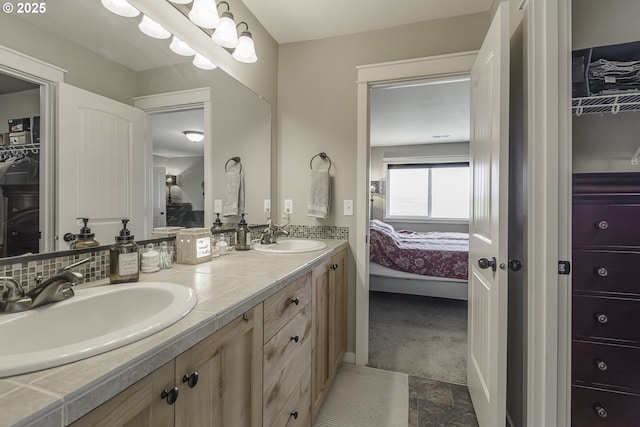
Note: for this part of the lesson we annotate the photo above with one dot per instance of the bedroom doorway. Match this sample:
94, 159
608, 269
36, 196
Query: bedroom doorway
419, 205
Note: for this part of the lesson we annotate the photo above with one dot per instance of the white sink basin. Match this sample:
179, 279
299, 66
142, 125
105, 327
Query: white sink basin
291, 246
94, 321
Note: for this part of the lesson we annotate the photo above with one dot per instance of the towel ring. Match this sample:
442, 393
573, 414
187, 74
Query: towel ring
235, 159
323, 156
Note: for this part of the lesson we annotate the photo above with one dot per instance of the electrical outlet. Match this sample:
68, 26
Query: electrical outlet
217, 206
267, 208
288, 206
348, 207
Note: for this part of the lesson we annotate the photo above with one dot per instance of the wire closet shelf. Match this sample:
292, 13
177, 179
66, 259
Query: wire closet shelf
600, 104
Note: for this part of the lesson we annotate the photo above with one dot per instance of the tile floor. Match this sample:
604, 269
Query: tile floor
436, 403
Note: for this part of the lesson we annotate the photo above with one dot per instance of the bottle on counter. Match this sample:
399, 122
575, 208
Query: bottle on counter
84, 239
243, 236
124, 260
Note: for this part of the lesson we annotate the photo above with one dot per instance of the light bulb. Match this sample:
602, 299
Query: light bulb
153, 29
204, 13
226, 34
203, 63
180, 47
121, 7
246, 51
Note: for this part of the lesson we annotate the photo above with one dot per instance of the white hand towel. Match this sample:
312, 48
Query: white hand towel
234, 193
319, 194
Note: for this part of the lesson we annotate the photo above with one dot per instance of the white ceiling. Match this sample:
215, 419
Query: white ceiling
168, 137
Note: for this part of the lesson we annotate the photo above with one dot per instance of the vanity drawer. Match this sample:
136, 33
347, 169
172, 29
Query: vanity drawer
606, 271
592, 407
606, 364
286, 358
285, 304
608, 318
606, 224
297, 411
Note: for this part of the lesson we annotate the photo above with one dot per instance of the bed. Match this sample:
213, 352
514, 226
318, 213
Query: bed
418, 263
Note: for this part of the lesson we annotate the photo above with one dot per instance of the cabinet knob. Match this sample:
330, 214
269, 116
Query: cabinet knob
170, 395
294, 414
191, 380
601, 365
602, 225
602, 318
602, 272
295, 300
602, 413
14, 233
296, 338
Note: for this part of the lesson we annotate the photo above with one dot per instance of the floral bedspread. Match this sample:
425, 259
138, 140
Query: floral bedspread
437, 254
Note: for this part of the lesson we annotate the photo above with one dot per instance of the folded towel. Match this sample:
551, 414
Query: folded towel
234, 193
319, 194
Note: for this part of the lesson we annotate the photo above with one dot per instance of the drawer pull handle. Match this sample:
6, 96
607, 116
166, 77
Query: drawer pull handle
602, 225
295, 301
602, 413
296, 338
294, 414
602, 318
602, 272
170, 395
601, 365
191, 380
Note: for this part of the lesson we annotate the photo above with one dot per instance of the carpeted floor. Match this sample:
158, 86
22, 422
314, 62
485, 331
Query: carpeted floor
420, 336
365, 397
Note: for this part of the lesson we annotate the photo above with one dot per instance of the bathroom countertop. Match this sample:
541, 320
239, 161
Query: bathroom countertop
226, 286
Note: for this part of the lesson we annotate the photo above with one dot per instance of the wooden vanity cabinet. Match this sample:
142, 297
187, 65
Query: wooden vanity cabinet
329, 318
228, 391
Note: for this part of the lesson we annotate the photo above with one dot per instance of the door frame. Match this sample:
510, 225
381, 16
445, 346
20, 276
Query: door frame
440, 66
177, 101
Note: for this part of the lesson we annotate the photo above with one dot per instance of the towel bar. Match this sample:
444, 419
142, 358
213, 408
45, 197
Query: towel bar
323, 156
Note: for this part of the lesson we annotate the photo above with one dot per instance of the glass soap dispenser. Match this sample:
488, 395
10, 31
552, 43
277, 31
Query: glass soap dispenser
124, 262
243, 236
84, 239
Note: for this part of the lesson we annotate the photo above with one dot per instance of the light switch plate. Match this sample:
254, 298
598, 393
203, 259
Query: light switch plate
217, 205
267, 207
348, 207
288, 206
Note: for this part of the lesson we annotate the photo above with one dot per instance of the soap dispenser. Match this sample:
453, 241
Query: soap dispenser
84, 239
243, 236
124, 257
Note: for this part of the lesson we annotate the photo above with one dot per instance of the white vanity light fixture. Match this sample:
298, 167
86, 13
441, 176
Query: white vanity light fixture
204, 13
194, 135
151, 28
121, 7
181, 1
226, 34
246, 50
203, 63
179, 47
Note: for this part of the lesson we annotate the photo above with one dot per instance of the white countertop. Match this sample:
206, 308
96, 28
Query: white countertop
226, 287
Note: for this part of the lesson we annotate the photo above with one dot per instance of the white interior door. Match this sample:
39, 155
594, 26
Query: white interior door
487, 329
159, 197
101, 166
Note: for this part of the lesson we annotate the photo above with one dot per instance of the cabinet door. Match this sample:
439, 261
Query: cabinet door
229, 368
320, 333
138, 406
337, 311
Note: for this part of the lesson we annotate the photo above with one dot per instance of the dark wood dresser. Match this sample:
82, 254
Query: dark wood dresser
606, 300
22, 213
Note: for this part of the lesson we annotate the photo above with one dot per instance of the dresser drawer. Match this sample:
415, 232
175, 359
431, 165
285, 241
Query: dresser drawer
297, 411
606, 271
285, 304
606, 224
286, 358
592, 407
615, 365
610, 318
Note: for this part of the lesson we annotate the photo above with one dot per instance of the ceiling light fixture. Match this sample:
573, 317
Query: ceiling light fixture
203, 62
151, 28
121, 7
181, 48
204, 13
246, 50
226, 34
194, 135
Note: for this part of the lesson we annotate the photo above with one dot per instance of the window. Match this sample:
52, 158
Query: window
428, 191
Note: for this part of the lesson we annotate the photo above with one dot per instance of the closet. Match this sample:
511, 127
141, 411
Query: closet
605, 347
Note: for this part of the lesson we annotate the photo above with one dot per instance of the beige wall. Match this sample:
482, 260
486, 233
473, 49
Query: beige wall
18, 105
317, 107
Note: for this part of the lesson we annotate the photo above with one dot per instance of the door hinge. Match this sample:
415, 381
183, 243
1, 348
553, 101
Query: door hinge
564, 267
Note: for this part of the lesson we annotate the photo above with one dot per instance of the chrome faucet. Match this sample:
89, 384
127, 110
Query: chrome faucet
272, 232
54, 289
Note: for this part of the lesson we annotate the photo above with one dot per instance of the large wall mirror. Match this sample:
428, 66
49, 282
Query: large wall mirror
183, 179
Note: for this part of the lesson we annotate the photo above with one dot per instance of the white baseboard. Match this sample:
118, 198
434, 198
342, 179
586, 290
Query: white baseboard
349, 357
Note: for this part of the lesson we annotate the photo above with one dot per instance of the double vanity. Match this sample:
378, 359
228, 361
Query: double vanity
251, 338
